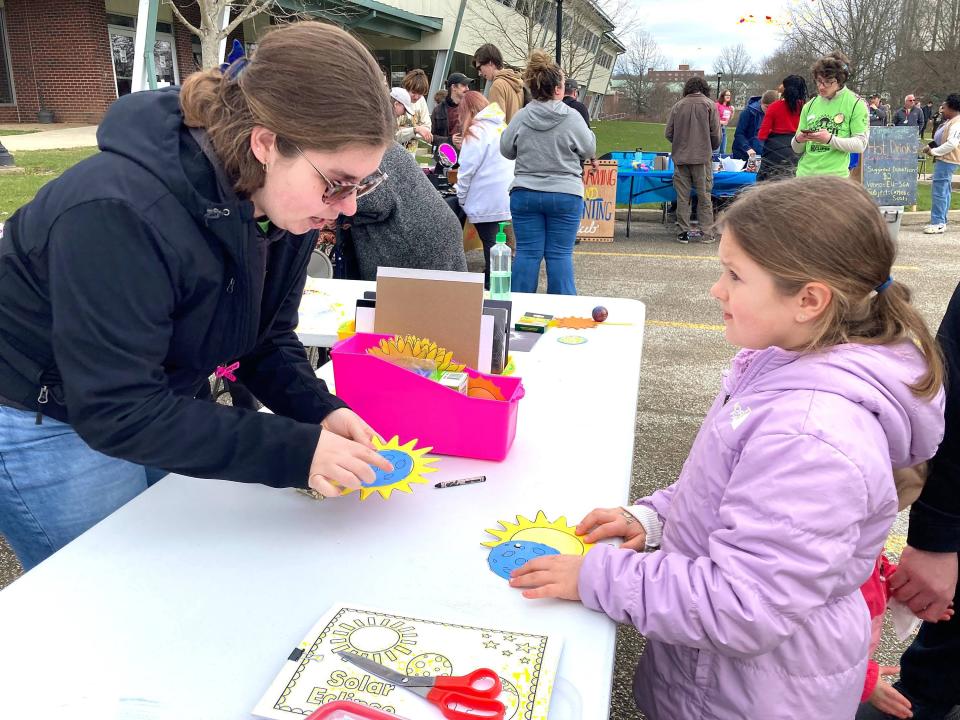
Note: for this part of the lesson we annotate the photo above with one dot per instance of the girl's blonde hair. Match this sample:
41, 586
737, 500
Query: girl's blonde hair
847, 248
542, 75
312, 84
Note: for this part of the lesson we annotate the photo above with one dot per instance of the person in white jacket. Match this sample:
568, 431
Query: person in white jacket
484, 176
413, 127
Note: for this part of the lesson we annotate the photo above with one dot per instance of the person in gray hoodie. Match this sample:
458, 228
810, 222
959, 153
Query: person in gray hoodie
405, 223
549, 143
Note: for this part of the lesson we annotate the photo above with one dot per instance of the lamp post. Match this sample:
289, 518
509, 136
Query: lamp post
719, 76
559, 28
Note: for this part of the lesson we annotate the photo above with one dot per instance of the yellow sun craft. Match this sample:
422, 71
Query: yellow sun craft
413, 347
573, 323
556, 534
409, 466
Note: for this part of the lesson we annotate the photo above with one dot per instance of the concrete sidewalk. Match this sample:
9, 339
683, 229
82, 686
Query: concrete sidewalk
65, 137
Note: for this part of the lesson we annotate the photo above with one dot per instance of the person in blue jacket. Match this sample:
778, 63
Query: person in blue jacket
180, 248
745, 141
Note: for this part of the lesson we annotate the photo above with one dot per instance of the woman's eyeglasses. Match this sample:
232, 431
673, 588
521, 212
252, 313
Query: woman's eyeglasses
338, 190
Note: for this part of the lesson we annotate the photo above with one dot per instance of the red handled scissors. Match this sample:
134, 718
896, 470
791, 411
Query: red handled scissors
466, 697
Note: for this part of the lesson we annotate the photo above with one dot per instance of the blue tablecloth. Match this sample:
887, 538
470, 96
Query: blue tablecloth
656, 186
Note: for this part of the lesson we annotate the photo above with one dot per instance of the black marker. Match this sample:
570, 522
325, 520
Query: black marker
462, 481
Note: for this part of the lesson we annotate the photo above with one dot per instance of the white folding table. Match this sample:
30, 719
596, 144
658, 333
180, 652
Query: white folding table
185, 603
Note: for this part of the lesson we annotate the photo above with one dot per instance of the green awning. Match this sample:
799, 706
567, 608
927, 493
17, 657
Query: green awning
368, 16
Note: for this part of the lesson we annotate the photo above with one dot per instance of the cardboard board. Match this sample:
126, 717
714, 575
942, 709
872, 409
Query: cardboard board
598, 219
890, 165
445, 307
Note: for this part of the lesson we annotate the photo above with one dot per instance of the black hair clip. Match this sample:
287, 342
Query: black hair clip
236, 61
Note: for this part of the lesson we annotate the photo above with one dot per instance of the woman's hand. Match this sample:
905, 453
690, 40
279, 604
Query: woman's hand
339, 463
887, 699
554, 576
605, 523
820, 136
346, 423
457, 140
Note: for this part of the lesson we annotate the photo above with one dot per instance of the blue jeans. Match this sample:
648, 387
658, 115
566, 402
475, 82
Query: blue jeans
545, 225
940, 192
53, 486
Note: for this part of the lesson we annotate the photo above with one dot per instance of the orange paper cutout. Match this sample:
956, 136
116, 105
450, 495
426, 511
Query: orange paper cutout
478, 387
574, 323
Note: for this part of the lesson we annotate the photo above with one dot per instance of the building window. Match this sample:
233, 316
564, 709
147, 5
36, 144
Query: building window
6, 77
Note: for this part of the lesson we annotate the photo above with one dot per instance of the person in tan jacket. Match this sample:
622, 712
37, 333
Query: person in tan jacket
945, 147
693, 128
507, 88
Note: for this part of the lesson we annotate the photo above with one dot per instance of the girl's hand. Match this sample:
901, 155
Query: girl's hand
887, 699
605, 523
346, 423
339, 463
554, 576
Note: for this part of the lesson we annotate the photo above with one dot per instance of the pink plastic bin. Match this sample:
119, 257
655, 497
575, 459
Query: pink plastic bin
396, 401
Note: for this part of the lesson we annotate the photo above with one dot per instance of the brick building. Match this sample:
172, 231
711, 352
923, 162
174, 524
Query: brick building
680, 75
75, 57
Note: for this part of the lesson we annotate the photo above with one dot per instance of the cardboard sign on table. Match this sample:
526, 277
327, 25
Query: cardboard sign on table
599, 202
444, 306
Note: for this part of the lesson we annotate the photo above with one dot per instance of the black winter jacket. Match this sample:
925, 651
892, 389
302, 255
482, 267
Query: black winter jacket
123, 285
935, 516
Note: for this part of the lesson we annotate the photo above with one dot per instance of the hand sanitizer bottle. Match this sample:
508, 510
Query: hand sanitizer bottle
500, 267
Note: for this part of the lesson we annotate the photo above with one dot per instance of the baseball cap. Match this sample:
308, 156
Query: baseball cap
571, 85
403, 97
458, 79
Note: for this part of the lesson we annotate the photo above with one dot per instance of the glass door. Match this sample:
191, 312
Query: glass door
122, 47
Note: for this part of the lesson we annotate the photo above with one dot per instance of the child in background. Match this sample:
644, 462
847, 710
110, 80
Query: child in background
876, 591
725, 111
751, 606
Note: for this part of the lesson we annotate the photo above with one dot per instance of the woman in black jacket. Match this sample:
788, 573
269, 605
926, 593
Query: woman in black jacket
178, 250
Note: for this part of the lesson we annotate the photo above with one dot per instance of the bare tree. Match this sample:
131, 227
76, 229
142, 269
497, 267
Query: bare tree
518, 27
642, 55
212, 30
518, 33
865, 30
735, 63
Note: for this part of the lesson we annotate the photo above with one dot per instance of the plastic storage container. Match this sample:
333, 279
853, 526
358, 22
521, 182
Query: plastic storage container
347, 710
892, 214
396, 401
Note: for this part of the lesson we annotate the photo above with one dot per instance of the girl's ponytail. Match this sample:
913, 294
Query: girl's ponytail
896, 318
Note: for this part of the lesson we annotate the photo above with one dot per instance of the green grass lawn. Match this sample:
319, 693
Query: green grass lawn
40, 167
626, 135
5, 133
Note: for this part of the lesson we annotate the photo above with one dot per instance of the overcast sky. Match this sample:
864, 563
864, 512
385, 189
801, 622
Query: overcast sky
695, 30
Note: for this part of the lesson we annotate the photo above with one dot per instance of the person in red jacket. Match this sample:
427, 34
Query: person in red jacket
779, 125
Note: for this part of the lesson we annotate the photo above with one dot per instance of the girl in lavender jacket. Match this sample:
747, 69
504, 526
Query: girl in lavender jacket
751, 605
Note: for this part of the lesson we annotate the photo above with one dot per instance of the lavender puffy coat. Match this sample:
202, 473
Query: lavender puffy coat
752, 607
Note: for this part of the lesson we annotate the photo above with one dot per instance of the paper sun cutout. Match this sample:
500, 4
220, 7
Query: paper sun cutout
529, 534
379, 640
409, 466
478, 387
414, 347
574, 323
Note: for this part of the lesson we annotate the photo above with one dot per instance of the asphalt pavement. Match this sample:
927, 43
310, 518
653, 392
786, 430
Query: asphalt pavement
684, 355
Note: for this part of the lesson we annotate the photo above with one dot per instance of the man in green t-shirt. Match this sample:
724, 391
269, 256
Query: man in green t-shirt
834, 124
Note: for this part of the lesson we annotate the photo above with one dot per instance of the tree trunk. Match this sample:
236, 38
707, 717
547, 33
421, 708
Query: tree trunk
210, 47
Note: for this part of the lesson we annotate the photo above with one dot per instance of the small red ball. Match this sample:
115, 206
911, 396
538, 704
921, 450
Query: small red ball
600, 313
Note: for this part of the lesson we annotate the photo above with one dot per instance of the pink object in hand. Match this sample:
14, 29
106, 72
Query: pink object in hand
226, 371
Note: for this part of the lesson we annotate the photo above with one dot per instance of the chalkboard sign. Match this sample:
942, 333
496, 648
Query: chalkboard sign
890, 165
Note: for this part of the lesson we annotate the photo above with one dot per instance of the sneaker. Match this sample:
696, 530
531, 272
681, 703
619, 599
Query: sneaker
937, 229
708, 239
683, 238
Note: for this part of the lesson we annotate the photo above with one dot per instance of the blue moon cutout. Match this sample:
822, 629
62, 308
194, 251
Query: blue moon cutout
402, 467
507, 557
